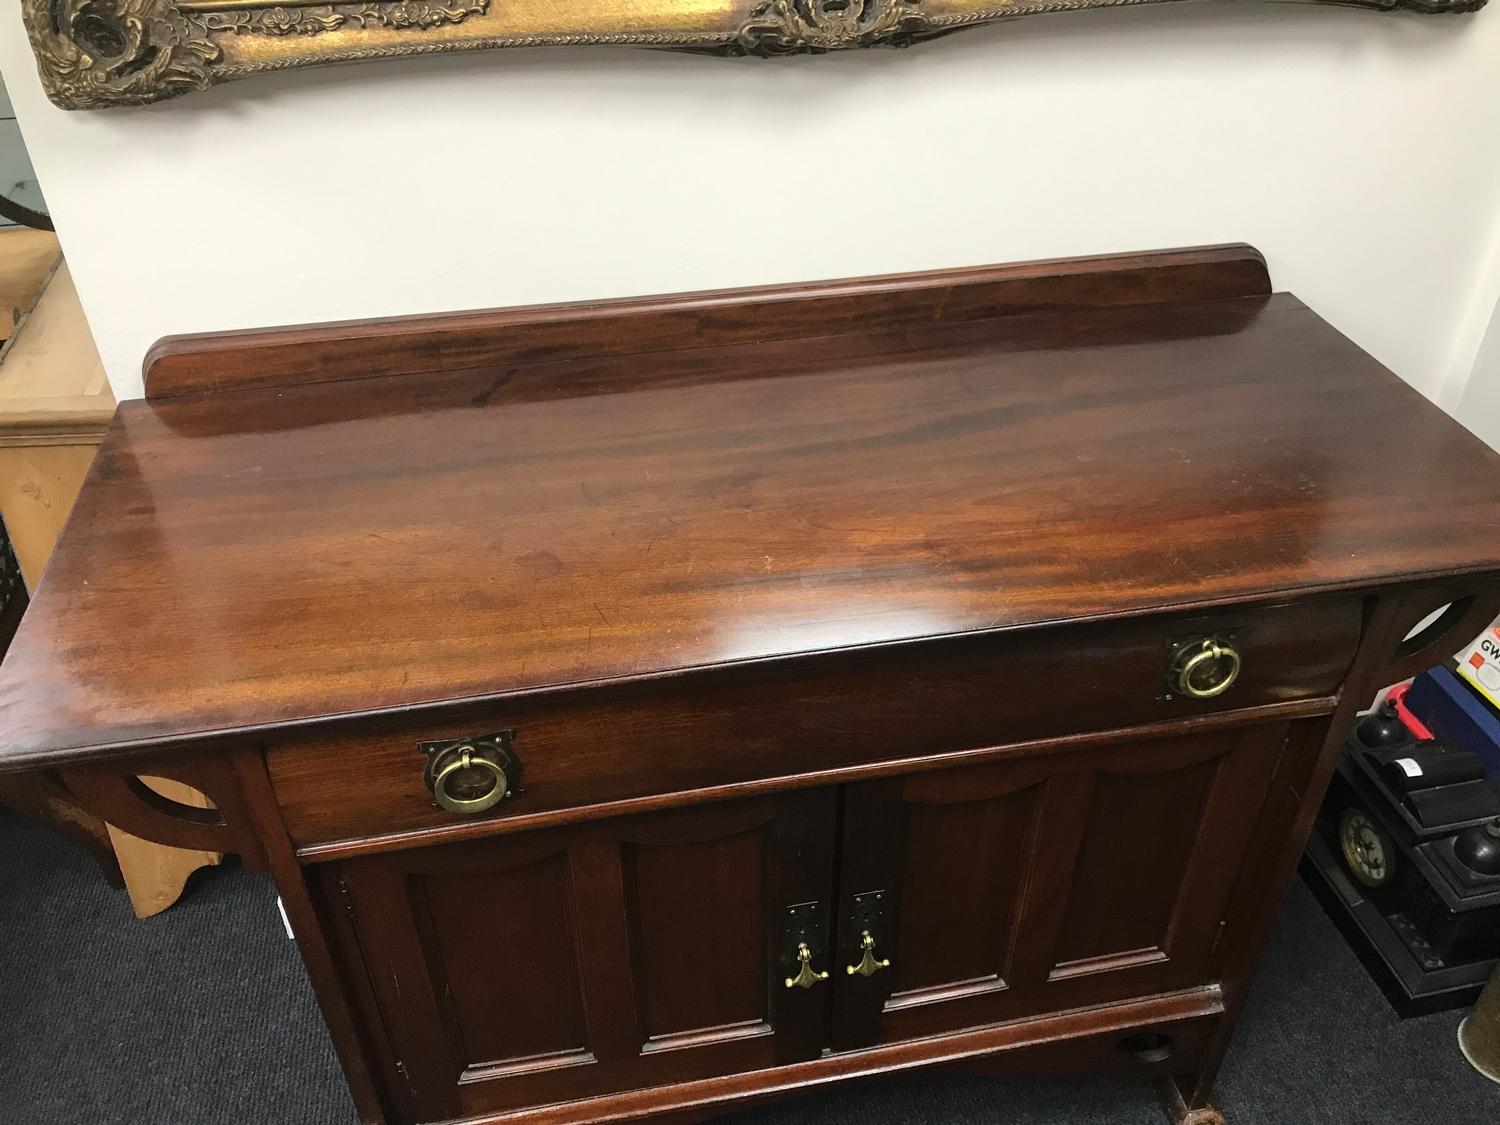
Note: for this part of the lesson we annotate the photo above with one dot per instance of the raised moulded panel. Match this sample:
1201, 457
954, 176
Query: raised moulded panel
502, 945
698, 928
984, 846
1132, 865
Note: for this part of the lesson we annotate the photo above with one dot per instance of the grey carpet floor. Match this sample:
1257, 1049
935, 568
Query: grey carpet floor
203, 1015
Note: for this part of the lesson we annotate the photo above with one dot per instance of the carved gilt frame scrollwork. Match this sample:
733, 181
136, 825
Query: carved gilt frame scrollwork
98, 53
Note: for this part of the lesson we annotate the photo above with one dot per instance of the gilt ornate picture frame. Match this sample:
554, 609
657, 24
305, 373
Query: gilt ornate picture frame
98, 53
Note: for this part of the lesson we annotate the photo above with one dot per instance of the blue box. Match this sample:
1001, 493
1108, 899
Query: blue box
1453, 712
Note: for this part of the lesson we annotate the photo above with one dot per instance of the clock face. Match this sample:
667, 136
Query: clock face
1367, 849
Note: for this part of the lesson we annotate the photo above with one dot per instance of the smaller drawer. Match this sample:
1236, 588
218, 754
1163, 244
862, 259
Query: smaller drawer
723, 727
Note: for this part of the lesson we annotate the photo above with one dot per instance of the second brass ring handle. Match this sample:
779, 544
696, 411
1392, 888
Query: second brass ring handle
467, 760
1212, 653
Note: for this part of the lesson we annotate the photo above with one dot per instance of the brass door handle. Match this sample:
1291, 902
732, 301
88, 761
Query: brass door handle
1205, 670
868, 965
445, 782
806, 976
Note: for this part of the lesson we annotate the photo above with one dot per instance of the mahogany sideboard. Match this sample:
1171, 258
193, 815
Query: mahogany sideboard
649, 707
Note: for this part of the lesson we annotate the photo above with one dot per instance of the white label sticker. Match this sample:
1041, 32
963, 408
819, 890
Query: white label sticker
285, 921
1410, 766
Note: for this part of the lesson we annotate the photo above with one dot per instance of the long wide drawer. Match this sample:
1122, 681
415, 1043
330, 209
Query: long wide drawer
723, 727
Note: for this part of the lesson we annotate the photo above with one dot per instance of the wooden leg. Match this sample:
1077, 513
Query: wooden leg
263, 815
155, 875
1176, 1107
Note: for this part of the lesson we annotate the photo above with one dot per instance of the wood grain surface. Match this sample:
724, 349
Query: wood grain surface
831, 713
245, 561
408, 345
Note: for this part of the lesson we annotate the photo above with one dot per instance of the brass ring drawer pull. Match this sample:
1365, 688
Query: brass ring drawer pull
470, 775
869, 964
453, 771
1206, 670
806, 976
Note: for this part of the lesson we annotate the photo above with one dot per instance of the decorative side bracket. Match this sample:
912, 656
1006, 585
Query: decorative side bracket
115, 793
1467, 605
98, 53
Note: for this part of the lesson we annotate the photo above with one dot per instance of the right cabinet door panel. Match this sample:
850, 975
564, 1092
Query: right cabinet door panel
1044, 882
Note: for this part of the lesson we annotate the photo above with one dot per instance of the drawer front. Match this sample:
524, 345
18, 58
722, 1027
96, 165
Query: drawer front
730, 726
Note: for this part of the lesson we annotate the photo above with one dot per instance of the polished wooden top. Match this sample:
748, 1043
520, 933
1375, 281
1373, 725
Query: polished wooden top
274, 556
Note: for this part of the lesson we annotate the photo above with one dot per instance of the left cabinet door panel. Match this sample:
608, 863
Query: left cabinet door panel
567, 963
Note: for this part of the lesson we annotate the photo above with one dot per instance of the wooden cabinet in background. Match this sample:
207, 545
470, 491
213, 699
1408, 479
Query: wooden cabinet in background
27, 259
55, 405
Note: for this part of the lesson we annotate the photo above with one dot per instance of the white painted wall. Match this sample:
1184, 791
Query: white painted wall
1359, 151
1478, 405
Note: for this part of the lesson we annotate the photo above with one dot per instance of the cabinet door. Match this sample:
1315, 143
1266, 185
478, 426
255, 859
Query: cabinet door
1043, 882
558, 964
